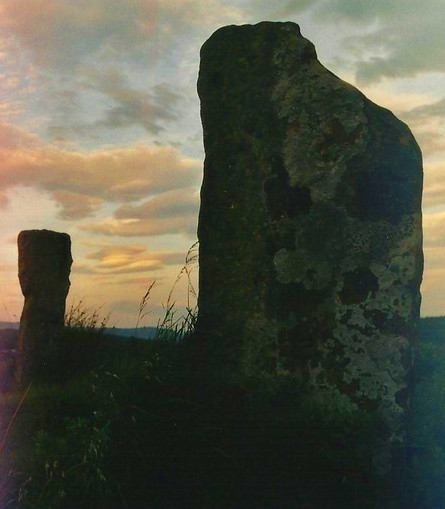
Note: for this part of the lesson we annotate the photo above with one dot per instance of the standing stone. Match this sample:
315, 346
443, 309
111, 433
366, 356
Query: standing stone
44, 268
310, 224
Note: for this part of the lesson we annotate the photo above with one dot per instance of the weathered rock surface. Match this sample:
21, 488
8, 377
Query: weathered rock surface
310, 223
44, 268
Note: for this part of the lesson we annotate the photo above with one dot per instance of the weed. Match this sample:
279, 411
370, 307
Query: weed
142, 313
83, 319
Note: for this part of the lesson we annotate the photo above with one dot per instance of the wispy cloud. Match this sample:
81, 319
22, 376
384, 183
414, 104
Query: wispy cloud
184, 202
134, 107
123, 106
171, 212
144, 227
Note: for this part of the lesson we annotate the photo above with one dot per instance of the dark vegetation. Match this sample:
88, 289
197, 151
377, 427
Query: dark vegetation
111, 423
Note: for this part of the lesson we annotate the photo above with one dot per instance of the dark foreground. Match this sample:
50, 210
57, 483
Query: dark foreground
131, 424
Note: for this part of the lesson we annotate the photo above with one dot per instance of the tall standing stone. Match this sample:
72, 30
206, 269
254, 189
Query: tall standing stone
44, 268
310, 223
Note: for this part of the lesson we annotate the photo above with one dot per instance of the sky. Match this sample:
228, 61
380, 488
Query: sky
100, 134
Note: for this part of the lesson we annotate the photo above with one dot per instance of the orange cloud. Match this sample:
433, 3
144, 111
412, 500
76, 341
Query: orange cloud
427, 124
118, 256
144, 227
434, 229
76, 205
434, 185
80, 182
434, 258
112, 260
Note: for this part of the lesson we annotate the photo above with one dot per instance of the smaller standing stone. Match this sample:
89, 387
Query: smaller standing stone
44, 267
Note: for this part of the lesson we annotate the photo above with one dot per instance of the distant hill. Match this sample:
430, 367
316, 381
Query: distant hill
431, 328
9, 328
9, 325
140, 333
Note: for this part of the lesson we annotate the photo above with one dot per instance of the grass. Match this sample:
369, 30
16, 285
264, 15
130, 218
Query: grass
134, 429
136, 434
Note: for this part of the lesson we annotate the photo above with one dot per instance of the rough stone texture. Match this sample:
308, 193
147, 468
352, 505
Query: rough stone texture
44, 268
310, 223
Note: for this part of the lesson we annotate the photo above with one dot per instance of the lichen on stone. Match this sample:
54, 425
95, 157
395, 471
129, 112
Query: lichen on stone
310, 223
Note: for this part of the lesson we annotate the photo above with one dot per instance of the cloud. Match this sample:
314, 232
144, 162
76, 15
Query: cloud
82, 268
113, 260
427, 122
431, 142
184, 202
397, 39
426, 112
366, 11
411, 50
80, 182
147, 227
125, 106
4, 201
76, 205
134, 107
60, 34
407, 41
433, 284
12, 138
135, 266
120, 256
434, 229
171, 212
434, 185
278, 9
50, 50
434, 258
